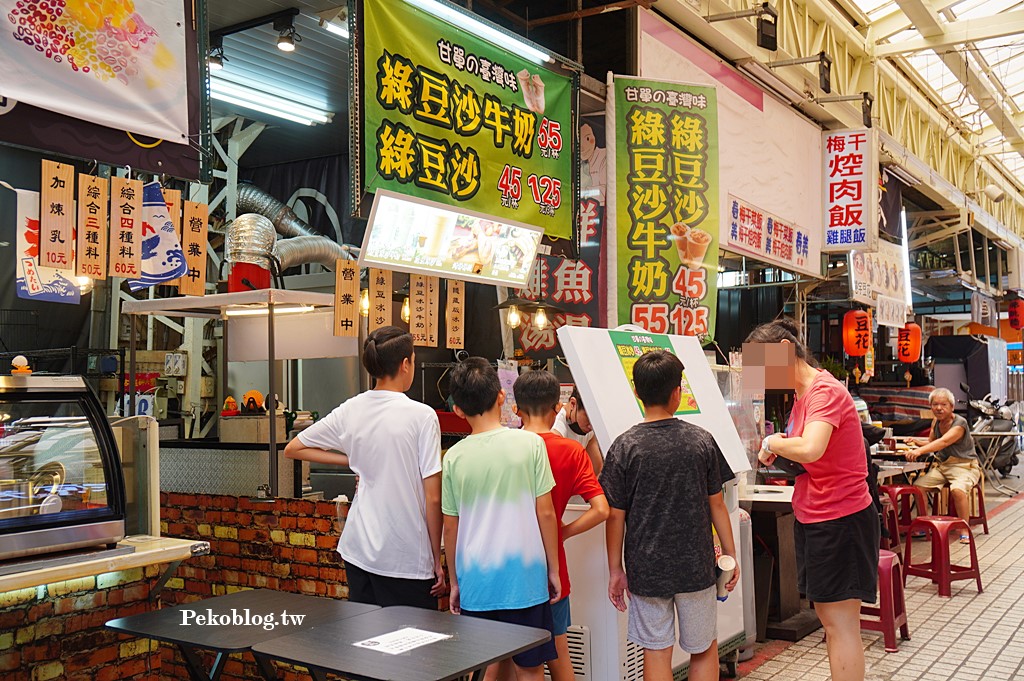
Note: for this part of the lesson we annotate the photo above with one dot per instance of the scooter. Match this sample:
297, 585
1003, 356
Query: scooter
997, 418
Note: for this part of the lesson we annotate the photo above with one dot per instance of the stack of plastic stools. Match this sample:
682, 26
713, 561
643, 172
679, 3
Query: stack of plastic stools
892, 608
892, 542
900, 495
979, 498
939, 569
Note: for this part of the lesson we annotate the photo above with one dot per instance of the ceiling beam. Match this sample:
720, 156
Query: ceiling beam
958, 33
584, 13
897, 21
923, 16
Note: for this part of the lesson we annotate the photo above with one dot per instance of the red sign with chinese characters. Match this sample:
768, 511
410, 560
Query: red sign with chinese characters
850, 190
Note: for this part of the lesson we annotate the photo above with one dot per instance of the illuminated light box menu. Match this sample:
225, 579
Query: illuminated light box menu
414, 235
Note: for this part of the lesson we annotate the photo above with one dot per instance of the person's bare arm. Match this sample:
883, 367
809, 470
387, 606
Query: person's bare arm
723, 527
549, 535
451, 540
952, 436
594, 452
432, 494
614, 530
296, 450
595, 515
805, 448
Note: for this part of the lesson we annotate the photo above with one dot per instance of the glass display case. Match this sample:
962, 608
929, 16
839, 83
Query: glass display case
61, 483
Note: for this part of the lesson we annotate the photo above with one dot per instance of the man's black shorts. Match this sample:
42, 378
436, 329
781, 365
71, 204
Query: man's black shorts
837, 560
538, 616
367, 587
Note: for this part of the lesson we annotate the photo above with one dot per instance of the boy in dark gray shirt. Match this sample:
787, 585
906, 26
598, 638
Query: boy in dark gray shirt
663, 481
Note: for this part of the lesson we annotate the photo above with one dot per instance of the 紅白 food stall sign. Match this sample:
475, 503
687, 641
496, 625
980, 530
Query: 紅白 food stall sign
450, 117
850, 185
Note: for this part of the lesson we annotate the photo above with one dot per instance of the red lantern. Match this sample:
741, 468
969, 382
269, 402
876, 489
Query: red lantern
856, 333
1017, 314
908, 343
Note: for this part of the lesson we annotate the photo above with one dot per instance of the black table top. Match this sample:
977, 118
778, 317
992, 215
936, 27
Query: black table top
475, 643
167, 624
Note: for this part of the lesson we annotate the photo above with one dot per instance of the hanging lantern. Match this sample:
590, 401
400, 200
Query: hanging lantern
1017, 314
908, 343
856, 333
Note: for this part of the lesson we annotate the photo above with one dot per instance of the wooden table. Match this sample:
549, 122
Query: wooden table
771, 514
178, 625
329, 649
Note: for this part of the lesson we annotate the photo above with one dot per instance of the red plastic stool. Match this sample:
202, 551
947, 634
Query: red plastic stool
979, 497
900, 495
939, 569
892, 542
892, 608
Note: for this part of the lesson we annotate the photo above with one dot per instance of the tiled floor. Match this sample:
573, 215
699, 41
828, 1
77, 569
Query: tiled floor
969, 637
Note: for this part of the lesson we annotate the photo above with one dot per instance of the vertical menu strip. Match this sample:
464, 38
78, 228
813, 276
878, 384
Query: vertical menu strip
93, 212
56, 215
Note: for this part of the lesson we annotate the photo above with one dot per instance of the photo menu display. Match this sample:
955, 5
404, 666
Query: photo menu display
418, 236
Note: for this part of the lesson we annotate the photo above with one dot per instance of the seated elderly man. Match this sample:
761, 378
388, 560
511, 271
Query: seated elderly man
957, 462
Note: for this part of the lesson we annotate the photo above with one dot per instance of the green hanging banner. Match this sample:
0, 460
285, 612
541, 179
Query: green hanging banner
452, 118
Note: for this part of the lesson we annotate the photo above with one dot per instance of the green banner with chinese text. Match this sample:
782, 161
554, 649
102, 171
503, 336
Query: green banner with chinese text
667, 208
450, 117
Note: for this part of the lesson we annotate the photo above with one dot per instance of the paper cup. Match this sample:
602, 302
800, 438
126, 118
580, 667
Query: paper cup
725, 569
680, 233
697, 243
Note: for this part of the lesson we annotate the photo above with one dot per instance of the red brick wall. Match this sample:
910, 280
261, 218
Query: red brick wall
56, 631
285, 544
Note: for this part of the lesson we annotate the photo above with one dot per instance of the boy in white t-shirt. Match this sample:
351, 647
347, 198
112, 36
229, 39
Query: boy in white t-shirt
391, 544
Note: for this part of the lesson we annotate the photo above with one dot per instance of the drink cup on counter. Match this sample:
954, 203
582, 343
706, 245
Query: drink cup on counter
724, 569
697, 243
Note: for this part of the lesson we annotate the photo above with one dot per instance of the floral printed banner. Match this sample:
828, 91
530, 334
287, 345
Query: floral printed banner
118, 63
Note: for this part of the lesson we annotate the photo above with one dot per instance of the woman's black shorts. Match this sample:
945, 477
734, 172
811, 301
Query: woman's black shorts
838, 559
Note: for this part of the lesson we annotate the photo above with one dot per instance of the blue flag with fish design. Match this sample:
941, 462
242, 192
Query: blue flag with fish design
162, 257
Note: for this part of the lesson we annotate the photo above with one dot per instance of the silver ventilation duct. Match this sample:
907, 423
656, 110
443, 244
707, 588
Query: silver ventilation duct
299, 250
250, 238
304, 246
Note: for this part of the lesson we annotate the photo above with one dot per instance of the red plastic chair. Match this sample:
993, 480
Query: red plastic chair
901, 496
979, 497
892, 607
938, 568
892, 542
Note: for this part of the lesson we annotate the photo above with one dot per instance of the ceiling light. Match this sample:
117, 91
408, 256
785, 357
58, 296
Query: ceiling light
233, 93
288, 37
512, 317
256, 311
483, 30
215, 61
994, 193
336, 29
822, 59
406, 310
767, 20
364, 302
867, 101
540, 318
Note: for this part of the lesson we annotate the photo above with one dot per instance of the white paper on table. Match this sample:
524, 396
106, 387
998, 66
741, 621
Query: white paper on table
401, 641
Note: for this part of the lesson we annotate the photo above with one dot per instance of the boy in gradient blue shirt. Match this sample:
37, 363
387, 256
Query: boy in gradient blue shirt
500, 529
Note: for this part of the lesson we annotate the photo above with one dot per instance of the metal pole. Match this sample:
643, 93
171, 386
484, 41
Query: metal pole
131, 365
271, 401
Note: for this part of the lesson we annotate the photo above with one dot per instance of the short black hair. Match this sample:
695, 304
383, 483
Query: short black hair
384, 350
576, 396
537, 392
655, 375
474, 386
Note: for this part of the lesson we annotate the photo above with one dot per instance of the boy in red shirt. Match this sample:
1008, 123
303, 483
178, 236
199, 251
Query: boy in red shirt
537, 404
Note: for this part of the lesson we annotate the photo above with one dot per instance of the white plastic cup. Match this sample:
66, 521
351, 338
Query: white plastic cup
726, 568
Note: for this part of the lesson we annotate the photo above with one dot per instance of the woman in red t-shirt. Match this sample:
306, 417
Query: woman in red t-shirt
837, 528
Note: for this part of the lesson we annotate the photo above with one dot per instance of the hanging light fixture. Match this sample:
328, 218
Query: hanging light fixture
364, 302
540, 318
908, 343
406, 310
856, 333
216, 59
513, 318
287, 37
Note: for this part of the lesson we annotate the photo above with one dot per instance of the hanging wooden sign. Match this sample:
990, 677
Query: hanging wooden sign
195, 218
418, 308
455, 307
125, 227
93, 202
346, 298
433, 303
172, 197
380, 298
56, 216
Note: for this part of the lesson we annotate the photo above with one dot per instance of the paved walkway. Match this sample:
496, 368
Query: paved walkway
969, 637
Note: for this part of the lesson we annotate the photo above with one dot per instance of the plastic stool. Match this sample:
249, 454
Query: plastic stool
979, 499
892, 608
892, 543
900, 495
939, 569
